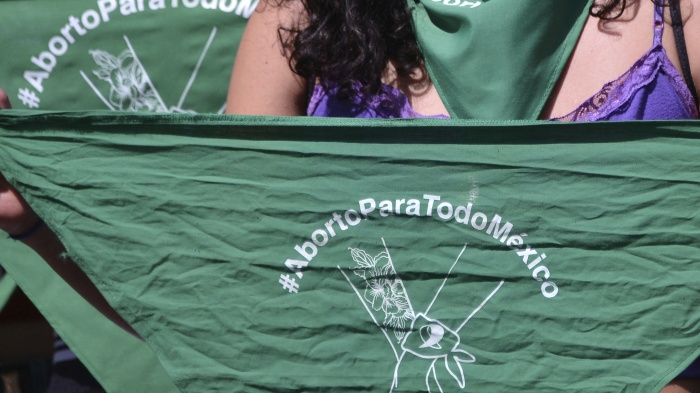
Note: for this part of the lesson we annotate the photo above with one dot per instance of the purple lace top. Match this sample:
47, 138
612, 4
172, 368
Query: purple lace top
652, 89
391, 103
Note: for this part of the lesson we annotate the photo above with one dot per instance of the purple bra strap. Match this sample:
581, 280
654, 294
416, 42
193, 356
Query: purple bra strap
658, 24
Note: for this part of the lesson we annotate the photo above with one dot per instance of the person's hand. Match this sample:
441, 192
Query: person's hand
4, 100
16, 217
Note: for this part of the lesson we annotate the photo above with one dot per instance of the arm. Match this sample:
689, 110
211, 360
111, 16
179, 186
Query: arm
262, 82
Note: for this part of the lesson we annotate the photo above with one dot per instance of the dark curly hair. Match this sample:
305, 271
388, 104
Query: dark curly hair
348, 43
613, 9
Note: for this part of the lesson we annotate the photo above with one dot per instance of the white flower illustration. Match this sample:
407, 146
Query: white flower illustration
129, 87
384, 290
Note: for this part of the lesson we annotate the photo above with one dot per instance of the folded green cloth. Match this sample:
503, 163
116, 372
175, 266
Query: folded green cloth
293, 254
497, 59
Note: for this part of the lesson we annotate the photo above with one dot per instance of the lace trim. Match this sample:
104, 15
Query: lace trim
617, 95
389, 103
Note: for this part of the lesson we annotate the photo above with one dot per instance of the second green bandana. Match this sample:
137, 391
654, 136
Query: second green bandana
299, 255
121, 55
497, 59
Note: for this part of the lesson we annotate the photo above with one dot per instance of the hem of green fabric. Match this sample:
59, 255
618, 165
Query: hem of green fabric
7, 288
564, 55
414, 8
673, 372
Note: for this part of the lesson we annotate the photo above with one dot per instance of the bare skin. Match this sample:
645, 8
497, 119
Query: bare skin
263, 84
260, 58
618, 45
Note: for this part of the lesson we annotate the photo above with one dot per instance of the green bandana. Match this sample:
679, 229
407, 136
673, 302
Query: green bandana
132, 55
292, 254
497, 59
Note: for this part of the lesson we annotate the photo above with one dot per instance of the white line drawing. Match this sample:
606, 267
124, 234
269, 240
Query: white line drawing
391, 342
99, 95
385, 291
500, 284
196, 70
145, 74
131, 88
385, 296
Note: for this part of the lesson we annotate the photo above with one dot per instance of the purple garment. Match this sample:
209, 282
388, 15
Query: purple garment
389, 104
652, 89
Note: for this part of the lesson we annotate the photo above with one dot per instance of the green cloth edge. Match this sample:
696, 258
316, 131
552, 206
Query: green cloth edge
7, 287
120, 362
318, 126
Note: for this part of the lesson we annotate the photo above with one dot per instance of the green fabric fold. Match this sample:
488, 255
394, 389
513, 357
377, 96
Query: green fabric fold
497, 59
7, 287
119, 361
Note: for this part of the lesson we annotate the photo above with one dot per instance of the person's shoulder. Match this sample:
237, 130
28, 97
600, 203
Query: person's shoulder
690, 12
262, 81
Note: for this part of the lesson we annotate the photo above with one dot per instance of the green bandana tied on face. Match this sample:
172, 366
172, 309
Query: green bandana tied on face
303, 254
497, 59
